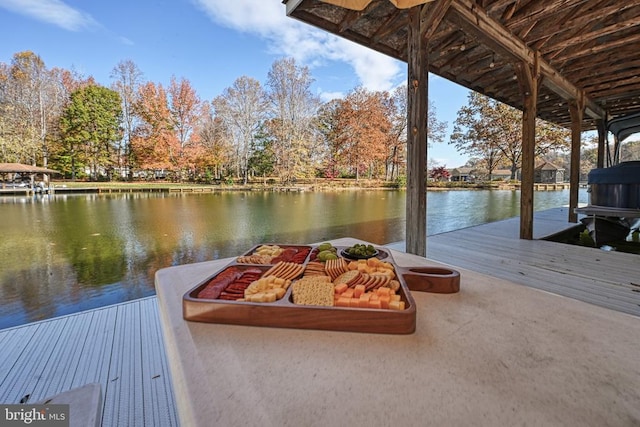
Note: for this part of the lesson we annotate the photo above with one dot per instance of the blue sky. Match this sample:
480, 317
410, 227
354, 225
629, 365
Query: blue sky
209, 42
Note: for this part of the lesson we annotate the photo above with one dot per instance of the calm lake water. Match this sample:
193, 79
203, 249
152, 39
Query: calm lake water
67, 253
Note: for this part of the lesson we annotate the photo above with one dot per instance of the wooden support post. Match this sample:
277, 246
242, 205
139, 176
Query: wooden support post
602, 131
417, 96
528, 79
576, 109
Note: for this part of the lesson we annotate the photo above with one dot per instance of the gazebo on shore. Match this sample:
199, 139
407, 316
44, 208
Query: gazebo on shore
7, 168
570, 62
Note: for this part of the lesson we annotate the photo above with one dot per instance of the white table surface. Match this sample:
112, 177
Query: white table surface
494, 354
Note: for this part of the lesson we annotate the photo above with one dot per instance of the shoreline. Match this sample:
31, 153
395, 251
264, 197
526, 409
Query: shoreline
62, 187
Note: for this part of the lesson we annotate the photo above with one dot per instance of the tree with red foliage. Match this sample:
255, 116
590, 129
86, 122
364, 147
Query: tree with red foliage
439, 173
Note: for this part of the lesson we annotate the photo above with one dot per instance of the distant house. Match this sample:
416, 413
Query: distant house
548, 173
461, 174
501, 174
470, 174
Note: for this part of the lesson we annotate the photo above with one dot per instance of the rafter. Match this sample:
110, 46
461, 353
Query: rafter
600, 32
590, 50
431, 15
497, 36
538, 10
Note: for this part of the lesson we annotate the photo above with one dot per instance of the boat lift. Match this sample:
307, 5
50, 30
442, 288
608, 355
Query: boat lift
614, 191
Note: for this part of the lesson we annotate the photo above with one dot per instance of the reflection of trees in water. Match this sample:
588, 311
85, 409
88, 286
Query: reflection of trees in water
85, 237
501, 205
36, 293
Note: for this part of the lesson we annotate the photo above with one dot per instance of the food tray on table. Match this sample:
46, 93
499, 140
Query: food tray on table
282, 285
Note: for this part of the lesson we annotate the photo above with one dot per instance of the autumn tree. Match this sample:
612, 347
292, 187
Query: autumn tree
397, 137
8, 152
30, 108
185, 110
292, 112
166, 138
588, 161
398, 134
473, 136
154, 144
90, 130
363, 129
127, 80
490, 130
214, 139
242, 108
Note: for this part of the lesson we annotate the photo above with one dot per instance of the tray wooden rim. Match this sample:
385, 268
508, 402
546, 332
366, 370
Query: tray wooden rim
285, 314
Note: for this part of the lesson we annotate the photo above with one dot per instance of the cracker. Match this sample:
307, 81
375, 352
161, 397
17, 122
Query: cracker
313, 291
350, 278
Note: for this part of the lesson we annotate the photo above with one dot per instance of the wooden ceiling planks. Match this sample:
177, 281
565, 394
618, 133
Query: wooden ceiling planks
585, 47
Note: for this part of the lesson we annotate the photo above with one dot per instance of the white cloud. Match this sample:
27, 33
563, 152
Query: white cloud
53, 12
126, 41
328, 96
308, 45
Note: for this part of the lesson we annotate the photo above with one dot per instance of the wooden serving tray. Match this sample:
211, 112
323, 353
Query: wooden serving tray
284, 313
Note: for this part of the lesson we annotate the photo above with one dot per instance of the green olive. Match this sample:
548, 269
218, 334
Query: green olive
324, 246
322, 256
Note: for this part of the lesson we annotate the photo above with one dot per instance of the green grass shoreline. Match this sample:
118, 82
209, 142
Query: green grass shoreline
317, 184
310, 185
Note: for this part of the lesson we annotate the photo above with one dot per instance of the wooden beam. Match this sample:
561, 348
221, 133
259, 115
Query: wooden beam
576, 109
528, 79
394, 22
498, 5
349, 19
499, 38
431, 15
417, 113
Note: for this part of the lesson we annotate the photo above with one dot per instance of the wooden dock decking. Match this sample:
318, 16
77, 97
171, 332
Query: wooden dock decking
121, 346
606, 279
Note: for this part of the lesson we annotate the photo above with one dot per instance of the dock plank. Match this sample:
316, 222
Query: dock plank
22, 381
12, 343
125, 382
119, 347
158, 392
62, 359
95, 357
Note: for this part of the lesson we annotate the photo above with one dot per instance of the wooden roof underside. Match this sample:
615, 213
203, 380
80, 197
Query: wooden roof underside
587, 49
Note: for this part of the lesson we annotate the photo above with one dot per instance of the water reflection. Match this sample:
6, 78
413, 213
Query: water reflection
66, 253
